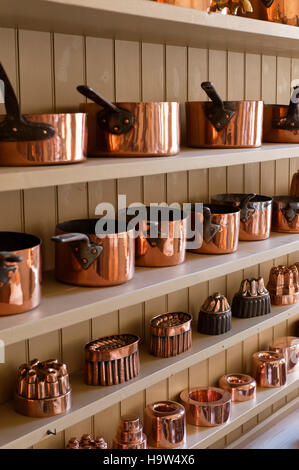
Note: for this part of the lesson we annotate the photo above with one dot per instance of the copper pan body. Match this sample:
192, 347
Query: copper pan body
285, 214
269, 369
22, 292
165, 424
68, 145
295, 185
242, 131
155, 132
271, 134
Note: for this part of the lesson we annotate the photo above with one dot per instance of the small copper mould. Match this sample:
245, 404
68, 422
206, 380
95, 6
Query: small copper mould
130, 434
87, 442
288, 346
283, 285
215, 316
112, 360
171, 334
242, 387
43, 389
206, 406
252, 300
269, 369
165, 424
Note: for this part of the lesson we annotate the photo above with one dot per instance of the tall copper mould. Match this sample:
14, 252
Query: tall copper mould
283, 285
242, 387
206, 406
112, 360
165, 424
252, 300
215, 316
223, 124
288, 346
224, 6
285, 214
269, 369
20, 272
130, 434
87, 442
131, 129
171, 334
294, 191
281, 122
255, 215
43, 389
39, 139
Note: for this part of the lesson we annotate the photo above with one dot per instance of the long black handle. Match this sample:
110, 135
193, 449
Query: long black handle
11, 102
212, 93
97, 98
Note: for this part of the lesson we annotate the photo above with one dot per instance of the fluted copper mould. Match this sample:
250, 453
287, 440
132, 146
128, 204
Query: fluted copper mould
269, 369
43, 389
224, 6
20, 272
87, 254
242, 387
223, 124
171, 334
112, 360
255, 215
87, 442
165, 424
215, 316
285, 214
295, 185
283, 285
252, 300
130, 434
39, 139
288, 346
206, 406
130, 129
281, 122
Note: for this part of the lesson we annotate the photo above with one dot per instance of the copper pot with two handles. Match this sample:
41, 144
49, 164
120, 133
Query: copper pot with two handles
224, 6
20, 272
285, 215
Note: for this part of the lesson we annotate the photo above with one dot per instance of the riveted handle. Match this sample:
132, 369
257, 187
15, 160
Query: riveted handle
246, 212
209, 229
217, 112
154, 241
84, 251
5, 269
290, 212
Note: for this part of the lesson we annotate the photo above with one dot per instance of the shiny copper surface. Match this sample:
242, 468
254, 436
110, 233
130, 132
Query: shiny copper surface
295, 185
215, 316
165, 424
22, 292
87, 442
285, 214
288, 346
269, 369
272, 134
283, 285
242, 387
252, 300
67, 146
284, 11
130, 434
259, 11
171, 334
156, 131
206, 406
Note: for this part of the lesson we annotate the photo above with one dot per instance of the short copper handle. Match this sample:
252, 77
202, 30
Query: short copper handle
84, 251
209, 229
5, 269
246, 211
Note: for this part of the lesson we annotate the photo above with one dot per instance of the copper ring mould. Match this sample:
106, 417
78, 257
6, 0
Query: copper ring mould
43, 389
20, 272
252, 300
223, 124
288, 346
39, 139
130, 434
112, 360
242, 387
130, 129
225, 7
87, 442
171, 334
255, 215
283, 285
269, 369
285, 215
281, 122
215, 316
165, 424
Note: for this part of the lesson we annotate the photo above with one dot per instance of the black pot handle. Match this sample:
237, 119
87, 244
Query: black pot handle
112, 119
290, 121
5, 269
217, 112
209, 229
290, 212
84, 251
246, 211
267, 3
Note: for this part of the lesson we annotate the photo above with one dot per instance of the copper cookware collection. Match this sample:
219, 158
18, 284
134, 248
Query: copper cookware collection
165, 424
283, 285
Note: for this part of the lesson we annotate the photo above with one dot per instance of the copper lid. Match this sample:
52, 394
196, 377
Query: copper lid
216, 303
171, 324
111, 348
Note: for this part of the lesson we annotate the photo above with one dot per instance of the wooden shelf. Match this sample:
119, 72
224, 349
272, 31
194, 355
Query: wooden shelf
151, 22
63, 305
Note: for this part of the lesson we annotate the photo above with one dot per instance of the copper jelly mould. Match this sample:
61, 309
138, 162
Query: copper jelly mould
171, 334
283, 285
252, 300
130, 434
87, 442
269, 369
165, 424
288, 346
215, 316
242, 387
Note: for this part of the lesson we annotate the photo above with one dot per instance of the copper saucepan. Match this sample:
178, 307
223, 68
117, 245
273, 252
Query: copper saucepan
295, 185
39, 139
285, 215
223, 124
226, 7
20, 272
130, 129
255, 215
86, 255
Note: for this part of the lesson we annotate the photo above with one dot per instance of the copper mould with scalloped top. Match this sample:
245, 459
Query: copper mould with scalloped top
288, 346
269, 369
252, 300
130, 434
215, 316
87, 442
283, 285
242, 387
285, 214
206, 406
171, 334
165, 424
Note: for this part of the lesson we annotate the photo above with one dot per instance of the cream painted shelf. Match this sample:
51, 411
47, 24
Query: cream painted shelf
143, 20
64, 305
19, 431
98, 169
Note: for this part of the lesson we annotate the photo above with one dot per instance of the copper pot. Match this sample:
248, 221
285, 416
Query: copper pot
285, 214
295, 185
221, 226
131, 129
20, 272
223, 124
39, 139
165, 424
226, 7
87, 256
255, 215
281, 122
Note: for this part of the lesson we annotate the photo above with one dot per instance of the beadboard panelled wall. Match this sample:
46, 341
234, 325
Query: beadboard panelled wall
45, 69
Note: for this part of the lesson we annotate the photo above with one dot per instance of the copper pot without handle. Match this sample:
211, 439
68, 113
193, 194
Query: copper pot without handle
225, 7
295, 185
131, 129
85, 258
223, 124
285, 214
20, 272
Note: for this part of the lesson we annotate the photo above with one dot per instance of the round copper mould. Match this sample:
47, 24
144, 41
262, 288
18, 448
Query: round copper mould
165, 424
252, 300
269, 369
43, 389
283, 285
130, 434
215, 316
112, 360
288, 346
242, 387
171, 334
87, 442
208, 406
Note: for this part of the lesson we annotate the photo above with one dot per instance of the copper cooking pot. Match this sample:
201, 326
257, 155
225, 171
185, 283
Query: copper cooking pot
20, 272
225, 6
285, 215
223, 124
39, 139
255, 216
86, 255
221, 226
295, 185
131, 129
